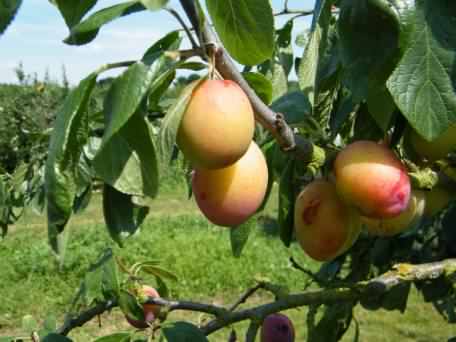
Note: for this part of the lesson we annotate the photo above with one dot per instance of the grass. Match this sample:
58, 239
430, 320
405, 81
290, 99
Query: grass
198, 252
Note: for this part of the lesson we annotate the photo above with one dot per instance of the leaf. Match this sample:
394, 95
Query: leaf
286, 203
345, 108
246, 28
66, 143
154, 5
240, 234
53, 337
369, 42
171, 122
123, 218
295, 106
159, 272
423, 85
130, 306
117, 337
333, 324
182, 332
74, 11
8, 10
128, 162
260, 84
87, 30
310, 62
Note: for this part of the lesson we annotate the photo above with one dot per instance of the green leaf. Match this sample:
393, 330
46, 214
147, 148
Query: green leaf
87, 30
68, 138
423, 85
117, 337
74, 11
333, 324
128, 162
286, 203
182, 332
369, 42
154, 5
100, 282
130, 306
260, 84
294, 106
340, 116
246, 28
8, 10
123, 217
171, 122
240, 234
53, 337
159, 272
316, 46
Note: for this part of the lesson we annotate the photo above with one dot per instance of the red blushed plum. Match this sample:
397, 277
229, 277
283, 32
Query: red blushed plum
217, 126
371, 177
400, 223
277, 328
325, 226
229, 196
150, 310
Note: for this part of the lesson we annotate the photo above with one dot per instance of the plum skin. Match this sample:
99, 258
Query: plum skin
229, 196
325, 226
277, 328
400, 223
370, 177
217, 126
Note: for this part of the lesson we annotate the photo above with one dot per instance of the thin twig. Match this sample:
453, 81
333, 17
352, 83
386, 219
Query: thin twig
252, 331
300, 13
246, 295
176, 15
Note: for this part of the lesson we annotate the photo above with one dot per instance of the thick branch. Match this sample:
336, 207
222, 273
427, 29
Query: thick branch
401, 273
273, 122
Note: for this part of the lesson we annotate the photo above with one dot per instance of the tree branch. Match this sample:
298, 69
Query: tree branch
400, 274
273, 122
86, 316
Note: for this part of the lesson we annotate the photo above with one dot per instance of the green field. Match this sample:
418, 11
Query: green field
197, 252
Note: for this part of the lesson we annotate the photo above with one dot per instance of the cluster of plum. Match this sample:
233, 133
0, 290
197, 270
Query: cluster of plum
230, 172
370, 186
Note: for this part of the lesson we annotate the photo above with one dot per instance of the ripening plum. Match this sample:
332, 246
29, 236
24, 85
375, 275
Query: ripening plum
398, 224
325, 226
435, 149
229, 196
370, 177
217, 126
150, 310
277, 328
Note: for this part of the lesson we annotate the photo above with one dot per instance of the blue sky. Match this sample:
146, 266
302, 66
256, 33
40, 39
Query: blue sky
35, 39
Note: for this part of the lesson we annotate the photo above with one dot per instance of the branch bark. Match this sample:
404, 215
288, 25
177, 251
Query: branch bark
376, 287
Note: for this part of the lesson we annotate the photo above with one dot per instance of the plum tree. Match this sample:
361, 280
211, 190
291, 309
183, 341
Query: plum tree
150, 310
230, 195
277, 328
401, 222
217, 108
371, 177
325, 226
435, 149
